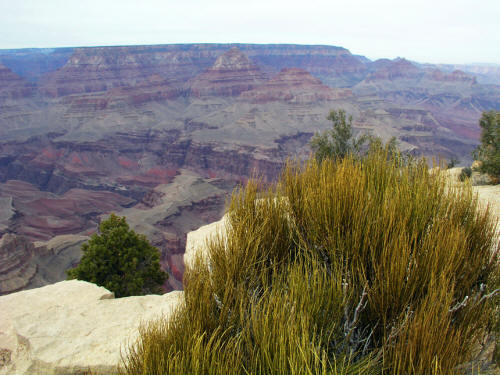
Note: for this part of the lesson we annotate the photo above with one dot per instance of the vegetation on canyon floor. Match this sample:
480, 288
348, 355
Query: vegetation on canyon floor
349, 265
120, 260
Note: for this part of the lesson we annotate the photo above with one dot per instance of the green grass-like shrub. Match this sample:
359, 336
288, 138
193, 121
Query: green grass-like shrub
342, 267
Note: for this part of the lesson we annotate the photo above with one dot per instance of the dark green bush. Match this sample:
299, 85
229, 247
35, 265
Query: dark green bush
465, 173
120, 260
343, 267
488, 152
452, 163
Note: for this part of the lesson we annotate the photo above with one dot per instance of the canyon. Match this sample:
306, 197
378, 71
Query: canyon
162, 134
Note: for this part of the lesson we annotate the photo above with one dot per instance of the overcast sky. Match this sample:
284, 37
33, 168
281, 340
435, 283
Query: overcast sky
447, 31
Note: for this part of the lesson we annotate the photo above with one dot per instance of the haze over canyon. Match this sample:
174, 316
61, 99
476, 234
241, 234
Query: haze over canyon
163, 133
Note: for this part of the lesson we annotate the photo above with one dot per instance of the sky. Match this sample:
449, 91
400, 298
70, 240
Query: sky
435, 31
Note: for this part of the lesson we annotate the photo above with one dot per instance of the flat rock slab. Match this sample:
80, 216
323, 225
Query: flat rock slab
72, 327
489, 196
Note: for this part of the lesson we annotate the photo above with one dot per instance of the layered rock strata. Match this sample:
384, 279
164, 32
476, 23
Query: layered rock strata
294, 85
454, 99
232, 73
164, 215
106, 129
27, 265
17, 267
13, 86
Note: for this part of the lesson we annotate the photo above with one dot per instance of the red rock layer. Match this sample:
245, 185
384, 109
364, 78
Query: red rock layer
154, 88
294, 85
455, 76
394, 69
45, 215
102, 68
232, 73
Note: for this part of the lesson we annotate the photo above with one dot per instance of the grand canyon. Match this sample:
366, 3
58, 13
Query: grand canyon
162, 134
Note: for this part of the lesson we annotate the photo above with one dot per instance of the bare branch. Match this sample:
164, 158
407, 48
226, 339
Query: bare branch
488, 296
459, 305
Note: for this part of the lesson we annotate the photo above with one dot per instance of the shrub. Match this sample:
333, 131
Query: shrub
488, 152
120, 260
465, 173
343, 267
452, 163
338, 141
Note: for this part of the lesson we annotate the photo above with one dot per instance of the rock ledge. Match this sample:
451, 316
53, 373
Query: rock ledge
71, 327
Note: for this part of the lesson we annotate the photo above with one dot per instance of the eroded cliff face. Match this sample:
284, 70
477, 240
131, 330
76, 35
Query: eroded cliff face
16, 263
162, 134
231, 74
13, 86
294, 85
454, 99
97, 69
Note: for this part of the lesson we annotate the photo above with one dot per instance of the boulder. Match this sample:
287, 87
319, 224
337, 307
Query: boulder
489, 196
196, 241
72, 327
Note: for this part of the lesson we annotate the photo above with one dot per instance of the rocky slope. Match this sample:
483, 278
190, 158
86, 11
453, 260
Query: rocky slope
126, 129
32, 63
26, 265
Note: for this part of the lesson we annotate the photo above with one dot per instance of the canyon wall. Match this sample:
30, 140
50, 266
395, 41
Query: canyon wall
163, 133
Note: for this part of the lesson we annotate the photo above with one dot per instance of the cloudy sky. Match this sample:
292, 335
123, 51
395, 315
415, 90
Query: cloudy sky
447, 31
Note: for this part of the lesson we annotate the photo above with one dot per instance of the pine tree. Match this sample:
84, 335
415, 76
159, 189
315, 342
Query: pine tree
120, 260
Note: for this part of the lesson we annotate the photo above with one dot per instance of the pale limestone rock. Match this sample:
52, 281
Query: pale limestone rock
196, 241
489, 196
72, 326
